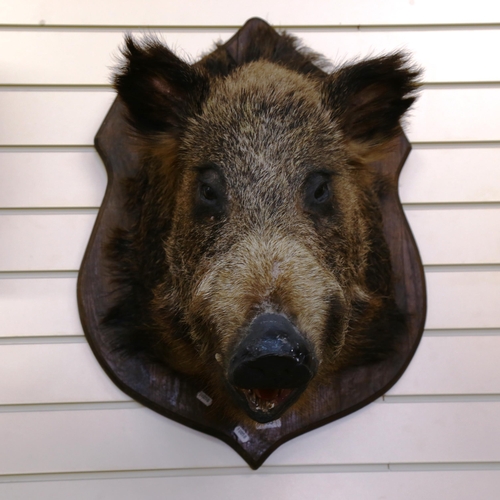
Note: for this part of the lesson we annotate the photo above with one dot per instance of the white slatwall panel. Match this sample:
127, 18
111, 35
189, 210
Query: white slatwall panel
457, 299
38, 307
84, 57
61, 178
69, 373
46, 242
451, 175
71, 117
138, 439
56, 241
53, 373
463, 485
227, 12
51, 179
52, 118
68, 432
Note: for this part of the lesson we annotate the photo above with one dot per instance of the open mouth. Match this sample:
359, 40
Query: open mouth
266, 399
264, 405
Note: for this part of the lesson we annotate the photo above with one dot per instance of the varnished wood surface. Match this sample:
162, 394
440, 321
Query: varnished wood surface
169, 393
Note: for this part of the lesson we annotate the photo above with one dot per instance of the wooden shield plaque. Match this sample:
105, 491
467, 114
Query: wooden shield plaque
158, 387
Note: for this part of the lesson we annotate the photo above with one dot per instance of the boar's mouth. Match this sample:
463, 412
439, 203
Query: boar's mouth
265, 405
271, 367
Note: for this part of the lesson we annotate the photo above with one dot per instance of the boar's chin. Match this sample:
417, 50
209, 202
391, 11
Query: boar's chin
270, 367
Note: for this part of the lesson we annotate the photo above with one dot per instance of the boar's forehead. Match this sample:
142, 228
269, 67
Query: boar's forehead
264, 122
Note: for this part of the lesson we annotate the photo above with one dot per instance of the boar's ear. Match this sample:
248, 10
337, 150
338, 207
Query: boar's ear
369, 98
159, 90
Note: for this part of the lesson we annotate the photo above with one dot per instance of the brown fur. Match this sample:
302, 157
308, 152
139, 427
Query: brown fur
266, 137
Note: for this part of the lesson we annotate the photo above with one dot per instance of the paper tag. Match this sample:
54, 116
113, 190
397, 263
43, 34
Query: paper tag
275, 424
241, 434
204, 398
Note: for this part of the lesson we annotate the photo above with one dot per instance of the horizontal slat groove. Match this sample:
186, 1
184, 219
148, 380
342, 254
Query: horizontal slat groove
455, 144
442, 398
268, 470
38, 274
210, 27
195, 472
444, 466
50, 148
72, 339
131, 404
459, 144
97, 28
461, 268
92, 210
424, 205
50, 211
232, 471
52, 87
47, 147
47, 339
459, 85
77, 339
108, 87
465, 332
51, 407
431, 268
449, 205
73, 273
44, 148
57, 88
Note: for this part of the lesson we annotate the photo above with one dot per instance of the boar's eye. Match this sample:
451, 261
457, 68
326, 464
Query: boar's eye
318, 193
322, 192
210, 193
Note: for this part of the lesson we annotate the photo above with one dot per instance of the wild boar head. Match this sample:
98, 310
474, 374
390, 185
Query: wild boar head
258, 263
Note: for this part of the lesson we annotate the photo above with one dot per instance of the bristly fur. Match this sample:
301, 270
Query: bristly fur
159, 88
192, 274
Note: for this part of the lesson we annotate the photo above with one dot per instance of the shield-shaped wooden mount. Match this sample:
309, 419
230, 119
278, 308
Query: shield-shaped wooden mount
172, 395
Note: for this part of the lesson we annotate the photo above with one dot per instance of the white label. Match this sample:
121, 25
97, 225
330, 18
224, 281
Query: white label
241, 434
204, 398
275, 424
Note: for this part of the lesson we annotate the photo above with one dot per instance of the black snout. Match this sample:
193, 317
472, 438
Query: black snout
274, 355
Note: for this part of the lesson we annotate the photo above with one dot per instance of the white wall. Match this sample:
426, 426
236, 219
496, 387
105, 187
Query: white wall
67, 432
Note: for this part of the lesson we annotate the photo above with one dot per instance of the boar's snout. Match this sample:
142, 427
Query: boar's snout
271, 367
274, 355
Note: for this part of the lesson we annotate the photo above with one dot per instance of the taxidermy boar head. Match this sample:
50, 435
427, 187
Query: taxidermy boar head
257, 265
